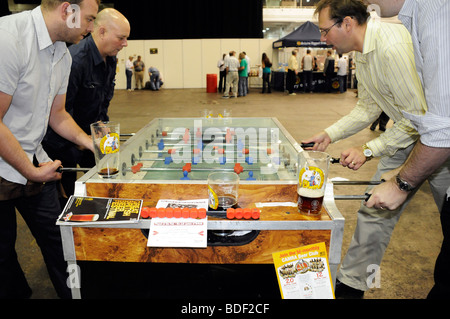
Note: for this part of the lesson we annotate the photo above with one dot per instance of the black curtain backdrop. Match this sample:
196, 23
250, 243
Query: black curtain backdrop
193, 19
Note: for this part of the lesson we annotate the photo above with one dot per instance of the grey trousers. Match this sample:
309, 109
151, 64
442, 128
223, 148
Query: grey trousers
374, 227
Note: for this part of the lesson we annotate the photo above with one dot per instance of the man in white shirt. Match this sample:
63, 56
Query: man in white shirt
307, 67
222, 74
35, 66
232, 65
129, 72
428, 21
342, 73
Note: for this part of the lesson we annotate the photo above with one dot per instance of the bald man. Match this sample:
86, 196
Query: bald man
90, 90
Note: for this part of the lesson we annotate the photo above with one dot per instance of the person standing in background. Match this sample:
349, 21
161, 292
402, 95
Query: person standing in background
129, 71
291, 76
328, 71
243, 75
342, 73
307, 67
231, 65
139, 67
222, 74
266, 65
247, 58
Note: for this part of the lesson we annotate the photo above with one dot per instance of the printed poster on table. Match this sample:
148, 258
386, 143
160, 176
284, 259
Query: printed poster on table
304, 273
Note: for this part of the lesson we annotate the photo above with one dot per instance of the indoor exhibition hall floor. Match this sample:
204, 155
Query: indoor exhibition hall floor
407, 268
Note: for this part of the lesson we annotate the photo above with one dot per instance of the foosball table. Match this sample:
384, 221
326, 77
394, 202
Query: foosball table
171, 158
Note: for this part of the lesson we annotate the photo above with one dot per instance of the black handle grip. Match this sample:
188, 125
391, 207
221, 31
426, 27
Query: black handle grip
307, 144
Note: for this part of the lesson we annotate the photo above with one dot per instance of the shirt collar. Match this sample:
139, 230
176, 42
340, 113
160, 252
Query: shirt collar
370, 36
408, 9
58, 48
43, 36
95, 52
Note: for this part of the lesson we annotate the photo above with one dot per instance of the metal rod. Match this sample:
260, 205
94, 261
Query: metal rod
358, 182
72, 169
352, 197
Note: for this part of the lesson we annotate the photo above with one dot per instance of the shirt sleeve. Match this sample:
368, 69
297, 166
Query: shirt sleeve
407, 93
363, 114
10, 71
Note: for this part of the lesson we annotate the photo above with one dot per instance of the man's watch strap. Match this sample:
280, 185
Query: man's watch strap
403, 185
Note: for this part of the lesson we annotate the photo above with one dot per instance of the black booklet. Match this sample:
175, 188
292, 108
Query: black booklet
96, 210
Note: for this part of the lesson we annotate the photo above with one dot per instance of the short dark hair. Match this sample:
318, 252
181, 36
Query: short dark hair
339, 9
52, 4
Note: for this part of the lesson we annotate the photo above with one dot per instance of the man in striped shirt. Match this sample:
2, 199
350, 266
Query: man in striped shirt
428, 21
387, 81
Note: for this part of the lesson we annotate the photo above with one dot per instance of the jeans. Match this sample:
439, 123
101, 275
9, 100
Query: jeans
154, 82
243, 85
342, 83
129, 75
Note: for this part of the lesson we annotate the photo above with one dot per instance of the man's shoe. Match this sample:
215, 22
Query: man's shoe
342, 291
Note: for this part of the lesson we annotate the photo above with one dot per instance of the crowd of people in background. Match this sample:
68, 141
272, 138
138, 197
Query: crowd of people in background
138, 68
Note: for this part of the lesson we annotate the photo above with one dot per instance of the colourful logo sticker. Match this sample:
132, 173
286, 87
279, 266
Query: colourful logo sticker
109, 143
311, 177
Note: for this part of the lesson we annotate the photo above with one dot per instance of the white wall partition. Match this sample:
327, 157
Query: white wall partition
185, 63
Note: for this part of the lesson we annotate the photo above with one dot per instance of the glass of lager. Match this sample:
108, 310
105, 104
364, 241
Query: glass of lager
312, 179
106, 138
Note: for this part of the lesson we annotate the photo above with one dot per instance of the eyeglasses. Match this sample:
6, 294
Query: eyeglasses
324, 32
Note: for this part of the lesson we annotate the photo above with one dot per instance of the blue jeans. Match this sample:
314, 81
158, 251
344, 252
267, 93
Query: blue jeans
129, 75
243, 85
342, 84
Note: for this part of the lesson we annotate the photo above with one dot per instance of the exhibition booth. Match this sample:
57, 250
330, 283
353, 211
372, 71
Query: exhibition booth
305, 37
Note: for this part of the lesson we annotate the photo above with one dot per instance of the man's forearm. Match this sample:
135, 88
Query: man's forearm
12, 152
423, 161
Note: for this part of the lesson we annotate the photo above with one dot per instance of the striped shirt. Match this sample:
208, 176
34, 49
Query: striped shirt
428, 21
387, 81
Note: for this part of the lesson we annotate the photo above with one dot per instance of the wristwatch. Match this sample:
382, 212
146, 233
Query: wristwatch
367, 152
403, 185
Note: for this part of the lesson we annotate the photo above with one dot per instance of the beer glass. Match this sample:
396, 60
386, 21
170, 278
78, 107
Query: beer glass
222, 190
106, 137
312, 179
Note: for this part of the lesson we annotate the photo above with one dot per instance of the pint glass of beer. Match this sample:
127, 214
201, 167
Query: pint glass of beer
312, 179
106, 136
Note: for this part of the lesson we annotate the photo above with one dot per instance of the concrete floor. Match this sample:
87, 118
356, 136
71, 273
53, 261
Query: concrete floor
407, 268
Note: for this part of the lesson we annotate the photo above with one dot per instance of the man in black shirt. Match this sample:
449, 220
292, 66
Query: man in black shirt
90, 89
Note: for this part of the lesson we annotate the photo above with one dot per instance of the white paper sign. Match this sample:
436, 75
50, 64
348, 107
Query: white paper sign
178, 232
